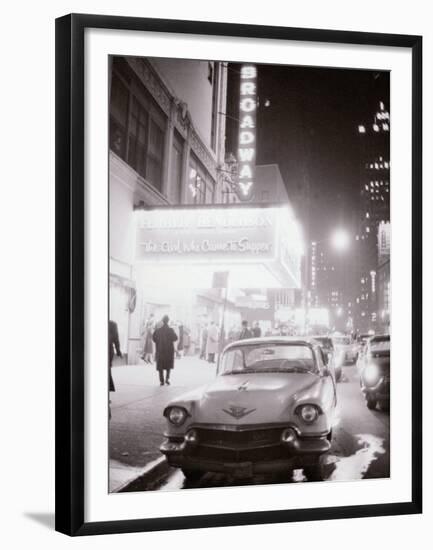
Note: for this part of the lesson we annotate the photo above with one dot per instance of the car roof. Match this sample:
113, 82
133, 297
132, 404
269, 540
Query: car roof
380, 338
290, 340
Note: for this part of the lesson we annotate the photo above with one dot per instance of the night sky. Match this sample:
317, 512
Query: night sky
310, 129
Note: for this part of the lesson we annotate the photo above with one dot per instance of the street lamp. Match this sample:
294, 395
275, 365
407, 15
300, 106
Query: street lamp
340, 240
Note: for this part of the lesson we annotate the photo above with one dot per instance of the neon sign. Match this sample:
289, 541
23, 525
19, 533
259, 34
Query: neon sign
247, 129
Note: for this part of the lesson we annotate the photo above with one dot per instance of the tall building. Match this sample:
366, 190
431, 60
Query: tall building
326, 289
374, 210
167, 146
383, 277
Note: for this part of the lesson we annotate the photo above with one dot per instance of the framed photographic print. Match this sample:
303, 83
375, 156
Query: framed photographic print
238, 330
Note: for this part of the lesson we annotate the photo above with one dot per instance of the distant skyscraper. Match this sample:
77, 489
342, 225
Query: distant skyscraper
374, 210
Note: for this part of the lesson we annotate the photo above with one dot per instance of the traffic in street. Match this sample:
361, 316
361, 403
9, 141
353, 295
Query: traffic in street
359, 445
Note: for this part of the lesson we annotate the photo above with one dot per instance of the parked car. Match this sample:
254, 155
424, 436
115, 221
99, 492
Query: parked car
270, 408
345, 350
375, 372
328, 347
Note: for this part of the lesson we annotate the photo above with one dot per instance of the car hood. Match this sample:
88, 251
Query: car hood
251, 398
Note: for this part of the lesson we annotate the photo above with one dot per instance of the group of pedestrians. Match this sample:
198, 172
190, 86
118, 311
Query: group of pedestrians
161, 343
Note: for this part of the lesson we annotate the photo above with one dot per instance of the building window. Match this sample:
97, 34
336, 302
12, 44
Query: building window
146, 142
176, 168
137, 125
214, 121
200, 185
118, 115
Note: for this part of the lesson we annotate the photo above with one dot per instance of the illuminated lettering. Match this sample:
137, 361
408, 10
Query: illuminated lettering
246, 137
245, 186
248, 71
247, 122
248, 88
247, 154
248, 104
247, 125
246, 172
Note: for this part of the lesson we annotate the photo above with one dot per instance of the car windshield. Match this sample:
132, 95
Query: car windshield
341, 340
268, 358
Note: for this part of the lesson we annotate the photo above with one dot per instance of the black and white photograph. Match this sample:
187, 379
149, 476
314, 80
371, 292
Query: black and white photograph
249, 276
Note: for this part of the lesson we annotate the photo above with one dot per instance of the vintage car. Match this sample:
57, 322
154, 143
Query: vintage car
375, 373
328, 347
346, 351
270, 408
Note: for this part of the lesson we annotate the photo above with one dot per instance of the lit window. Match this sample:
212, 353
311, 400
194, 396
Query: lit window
367, 215
385, 127
366, 187
375, 127
376, 165
361, 129
367, 230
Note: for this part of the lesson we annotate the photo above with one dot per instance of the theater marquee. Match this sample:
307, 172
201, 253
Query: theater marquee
227, 235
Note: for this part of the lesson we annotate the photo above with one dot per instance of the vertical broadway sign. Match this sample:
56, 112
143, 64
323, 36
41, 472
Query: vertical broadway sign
247, 130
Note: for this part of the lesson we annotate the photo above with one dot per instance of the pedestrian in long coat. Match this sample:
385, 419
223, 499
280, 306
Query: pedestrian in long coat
203, 342
113, 346
245, 332
164, 338
147, 333
212, 342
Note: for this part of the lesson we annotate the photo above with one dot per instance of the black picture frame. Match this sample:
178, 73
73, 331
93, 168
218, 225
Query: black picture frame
70, 281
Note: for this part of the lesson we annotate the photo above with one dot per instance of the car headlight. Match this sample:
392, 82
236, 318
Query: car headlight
340, 358
308, 413
176, 415
371, 374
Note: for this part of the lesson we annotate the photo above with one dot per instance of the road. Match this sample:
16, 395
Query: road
360, 445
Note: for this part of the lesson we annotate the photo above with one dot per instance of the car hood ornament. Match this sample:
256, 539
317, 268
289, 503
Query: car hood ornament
238, 412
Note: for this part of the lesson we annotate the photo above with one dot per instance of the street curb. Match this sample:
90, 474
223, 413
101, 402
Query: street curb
151, 473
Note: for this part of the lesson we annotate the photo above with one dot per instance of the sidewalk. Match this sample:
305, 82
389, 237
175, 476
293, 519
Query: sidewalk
137, 424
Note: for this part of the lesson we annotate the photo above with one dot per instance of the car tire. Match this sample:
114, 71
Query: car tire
371, 402
315, 472
191, 475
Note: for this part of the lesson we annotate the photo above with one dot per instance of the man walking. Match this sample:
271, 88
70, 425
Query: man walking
257, 331
113, 346
164, 338
245, 332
